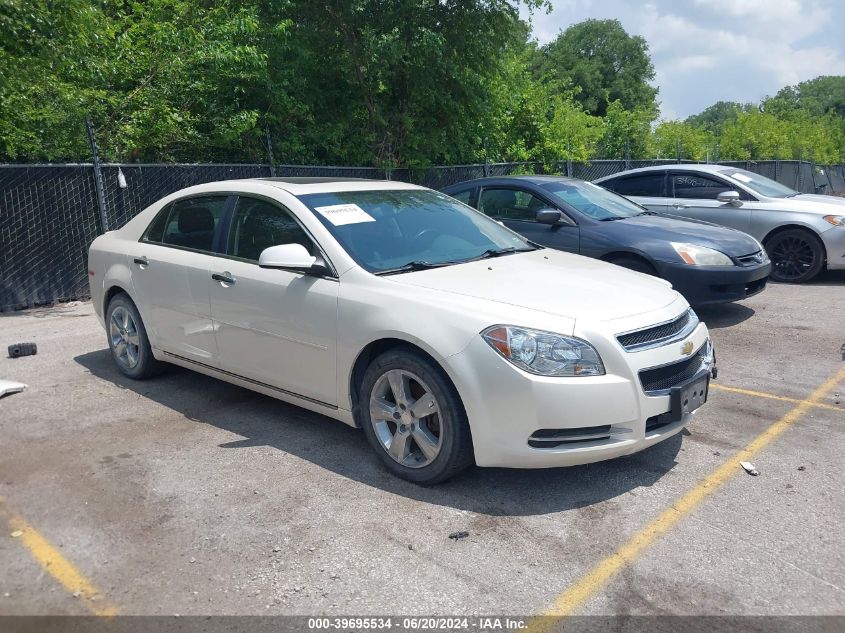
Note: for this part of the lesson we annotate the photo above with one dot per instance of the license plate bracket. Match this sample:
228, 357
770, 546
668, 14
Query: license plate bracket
685, 399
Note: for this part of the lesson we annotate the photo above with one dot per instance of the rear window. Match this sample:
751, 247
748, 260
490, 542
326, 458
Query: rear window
646, 185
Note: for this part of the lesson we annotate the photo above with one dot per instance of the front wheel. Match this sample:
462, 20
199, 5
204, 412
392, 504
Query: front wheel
413, 418
797, 256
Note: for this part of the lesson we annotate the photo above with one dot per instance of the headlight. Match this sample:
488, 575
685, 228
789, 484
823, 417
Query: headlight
835, 220
701, 255
544, 353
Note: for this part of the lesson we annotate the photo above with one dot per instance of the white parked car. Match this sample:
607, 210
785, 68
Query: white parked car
445, 336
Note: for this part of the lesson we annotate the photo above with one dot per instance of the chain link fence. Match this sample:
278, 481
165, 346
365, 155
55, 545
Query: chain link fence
50, 214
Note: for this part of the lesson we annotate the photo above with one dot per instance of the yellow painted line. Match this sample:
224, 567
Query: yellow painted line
52, 561
573, 598
771, 396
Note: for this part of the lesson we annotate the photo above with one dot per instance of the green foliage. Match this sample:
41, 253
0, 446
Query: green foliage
605, 63
380, 82
673, 139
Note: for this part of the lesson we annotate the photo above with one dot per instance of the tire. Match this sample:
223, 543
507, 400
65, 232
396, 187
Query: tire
128, 342
636, 264
389, 421
797, 256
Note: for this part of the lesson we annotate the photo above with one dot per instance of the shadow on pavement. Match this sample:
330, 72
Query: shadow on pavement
264, 421
724, 315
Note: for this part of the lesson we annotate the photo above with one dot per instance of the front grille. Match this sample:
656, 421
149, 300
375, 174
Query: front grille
664, 378
657, 333
753, 259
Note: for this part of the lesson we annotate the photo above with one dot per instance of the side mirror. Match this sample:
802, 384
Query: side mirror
288, 257
553, 217
548, 216
729, 197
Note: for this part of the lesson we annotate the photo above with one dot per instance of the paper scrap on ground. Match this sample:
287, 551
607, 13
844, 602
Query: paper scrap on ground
7, 387
340, 214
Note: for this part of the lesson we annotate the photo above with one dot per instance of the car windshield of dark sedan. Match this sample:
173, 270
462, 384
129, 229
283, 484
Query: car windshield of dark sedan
394, 231
760, 184
593, 201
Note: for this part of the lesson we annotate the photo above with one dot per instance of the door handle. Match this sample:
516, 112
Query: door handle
224, 277
141, 261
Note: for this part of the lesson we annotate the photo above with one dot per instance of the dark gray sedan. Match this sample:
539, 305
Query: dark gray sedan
704, 262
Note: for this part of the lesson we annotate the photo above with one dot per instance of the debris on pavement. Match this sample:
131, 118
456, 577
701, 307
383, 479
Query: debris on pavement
458, 535
802, 468
749, 468
8, 387
22, 349
16, 534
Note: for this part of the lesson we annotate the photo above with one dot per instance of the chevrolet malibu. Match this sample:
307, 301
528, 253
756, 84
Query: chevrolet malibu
445, 336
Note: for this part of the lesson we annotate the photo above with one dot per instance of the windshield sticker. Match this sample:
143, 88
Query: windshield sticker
340, 214
741, 177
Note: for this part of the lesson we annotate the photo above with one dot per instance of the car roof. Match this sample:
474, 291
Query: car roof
709, 168
533, 179
298, 186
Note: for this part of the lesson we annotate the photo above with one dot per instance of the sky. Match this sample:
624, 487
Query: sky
706, 51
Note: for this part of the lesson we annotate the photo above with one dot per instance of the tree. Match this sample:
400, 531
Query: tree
714, 118
626, 132
753, 135
674, 137
605, 64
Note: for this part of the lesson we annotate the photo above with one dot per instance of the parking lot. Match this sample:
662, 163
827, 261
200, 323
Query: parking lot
186, 495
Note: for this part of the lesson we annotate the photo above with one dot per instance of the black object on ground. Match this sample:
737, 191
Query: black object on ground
22, 349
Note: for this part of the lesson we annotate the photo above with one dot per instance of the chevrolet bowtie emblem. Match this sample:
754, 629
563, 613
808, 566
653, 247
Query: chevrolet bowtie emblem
686, 348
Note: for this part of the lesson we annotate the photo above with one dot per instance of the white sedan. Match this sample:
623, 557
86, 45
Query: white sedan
448, 338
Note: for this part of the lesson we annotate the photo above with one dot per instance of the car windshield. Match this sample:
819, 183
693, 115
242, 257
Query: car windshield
760, 184
592, 200
393, 231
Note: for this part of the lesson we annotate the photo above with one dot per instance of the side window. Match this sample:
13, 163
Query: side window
510, 204
695, 186
463, 196
191, 223
258, 224
646, 185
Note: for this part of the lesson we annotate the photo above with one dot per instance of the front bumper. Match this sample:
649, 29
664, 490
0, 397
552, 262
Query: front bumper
834, 245
507, 407
723, 284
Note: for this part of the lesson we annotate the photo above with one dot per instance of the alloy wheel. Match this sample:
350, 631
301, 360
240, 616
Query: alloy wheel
792, 257
406, 418
123, 332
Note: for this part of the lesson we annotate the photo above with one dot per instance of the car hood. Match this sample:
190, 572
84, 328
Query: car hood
666, 228
553, 282
811, 203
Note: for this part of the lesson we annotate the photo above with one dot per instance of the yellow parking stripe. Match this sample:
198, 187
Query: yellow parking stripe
573, 598
771, 396
52, 561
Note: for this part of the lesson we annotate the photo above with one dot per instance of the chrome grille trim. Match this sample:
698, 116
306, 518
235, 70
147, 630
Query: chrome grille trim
753, 259
661, 334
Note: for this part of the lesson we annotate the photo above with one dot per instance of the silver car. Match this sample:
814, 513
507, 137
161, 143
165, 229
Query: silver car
801, 232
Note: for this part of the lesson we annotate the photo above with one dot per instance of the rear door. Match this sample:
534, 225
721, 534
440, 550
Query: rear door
517, 208
171, 280
695, 196
648, 189
275, 327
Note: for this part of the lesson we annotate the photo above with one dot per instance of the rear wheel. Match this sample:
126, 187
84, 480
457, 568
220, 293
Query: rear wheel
128, 342
413, 418
797, 256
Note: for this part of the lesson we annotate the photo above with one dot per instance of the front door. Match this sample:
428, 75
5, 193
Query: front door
275, 327
695, 197
517, 209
